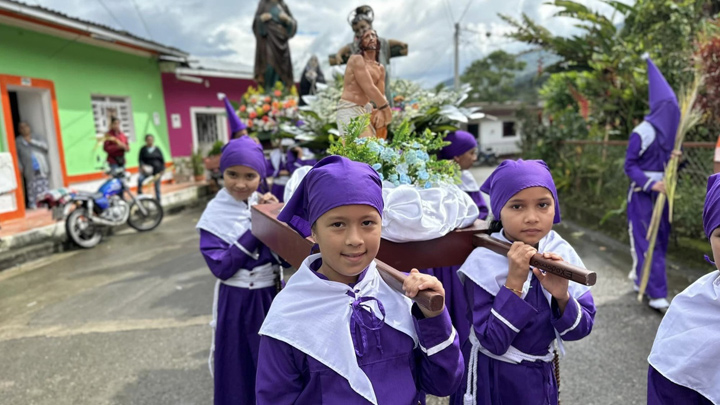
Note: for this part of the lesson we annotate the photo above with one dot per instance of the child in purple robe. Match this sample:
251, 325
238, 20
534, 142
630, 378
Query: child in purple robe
463, 150
247, 272
684, 358
650, 148
519, 313
337, 333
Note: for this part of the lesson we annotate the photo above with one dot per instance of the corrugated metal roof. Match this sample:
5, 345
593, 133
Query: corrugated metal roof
38, 12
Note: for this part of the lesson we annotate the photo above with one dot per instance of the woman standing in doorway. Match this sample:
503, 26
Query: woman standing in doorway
32, 156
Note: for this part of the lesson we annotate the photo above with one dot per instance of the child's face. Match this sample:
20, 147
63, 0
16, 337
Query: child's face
349, 239
467, 159
715, 243
528, 216
241, 181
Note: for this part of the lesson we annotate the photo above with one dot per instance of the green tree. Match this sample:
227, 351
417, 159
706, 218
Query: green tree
493, 76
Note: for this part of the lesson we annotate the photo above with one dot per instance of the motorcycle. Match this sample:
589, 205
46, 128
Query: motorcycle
486, 158
86, 214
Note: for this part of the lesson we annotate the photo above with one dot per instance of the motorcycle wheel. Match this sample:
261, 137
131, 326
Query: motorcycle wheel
81, 229
148, 222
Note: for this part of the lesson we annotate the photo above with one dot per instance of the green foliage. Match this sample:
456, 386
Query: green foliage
492, 77
216, 149
406, 159
198, 163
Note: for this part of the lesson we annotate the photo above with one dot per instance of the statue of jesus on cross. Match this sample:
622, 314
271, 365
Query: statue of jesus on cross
364, 88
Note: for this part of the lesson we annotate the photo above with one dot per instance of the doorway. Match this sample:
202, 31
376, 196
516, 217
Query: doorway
209, 125
33, 107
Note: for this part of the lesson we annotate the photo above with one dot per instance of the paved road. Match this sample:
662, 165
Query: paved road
126, 323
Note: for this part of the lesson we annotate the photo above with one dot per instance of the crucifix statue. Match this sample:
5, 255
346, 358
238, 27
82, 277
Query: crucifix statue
361, 20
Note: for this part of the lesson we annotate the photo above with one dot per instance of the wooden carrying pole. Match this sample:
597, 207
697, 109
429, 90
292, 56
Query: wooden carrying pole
450, 250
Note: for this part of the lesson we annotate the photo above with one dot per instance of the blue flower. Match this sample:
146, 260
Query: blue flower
377, 167
423, 175
416, 145
388, 155
428, 185
394, 178
411, 158
396, 183
381, 176
361, 141
374, 147
422, 155
402, 168
404, 179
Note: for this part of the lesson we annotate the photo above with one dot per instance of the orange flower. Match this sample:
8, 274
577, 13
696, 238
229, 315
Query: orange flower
287, 105
292, 102
243, 108
415, 106
278, 93
267, 99
252, 114
250, 123
265, 118
266, 107
275, 105
253, 100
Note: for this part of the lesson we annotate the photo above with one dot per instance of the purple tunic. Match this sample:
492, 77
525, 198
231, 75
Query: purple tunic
480, 202
499, 382
662, 391
293, 163
400, 374
240, 313
639, 212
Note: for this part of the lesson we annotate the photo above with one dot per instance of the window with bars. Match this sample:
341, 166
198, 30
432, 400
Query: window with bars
106, 107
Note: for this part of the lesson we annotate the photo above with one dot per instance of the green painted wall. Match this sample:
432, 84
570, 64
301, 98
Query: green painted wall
79, 71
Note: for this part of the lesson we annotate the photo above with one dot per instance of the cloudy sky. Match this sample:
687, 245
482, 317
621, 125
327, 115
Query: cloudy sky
220, 30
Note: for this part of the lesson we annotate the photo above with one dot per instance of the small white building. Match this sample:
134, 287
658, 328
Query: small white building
500, 129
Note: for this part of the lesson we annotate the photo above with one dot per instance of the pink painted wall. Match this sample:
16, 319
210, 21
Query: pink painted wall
181, 95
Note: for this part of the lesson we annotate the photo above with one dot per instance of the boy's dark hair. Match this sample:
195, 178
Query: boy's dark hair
495, 226
149, 136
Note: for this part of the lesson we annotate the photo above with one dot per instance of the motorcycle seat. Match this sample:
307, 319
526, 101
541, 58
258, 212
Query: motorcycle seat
96, 195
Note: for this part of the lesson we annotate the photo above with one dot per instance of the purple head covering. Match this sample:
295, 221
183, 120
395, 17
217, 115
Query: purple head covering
513, 176
235, 123
245, 152
664, 111
460, 142
333, 182
711, 212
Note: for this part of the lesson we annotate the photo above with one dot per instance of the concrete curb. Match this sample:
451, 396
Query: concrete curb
44, 241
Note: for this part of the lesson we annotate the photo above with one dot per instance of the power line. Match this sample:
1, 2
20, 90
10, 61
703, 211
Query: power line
466, 9
452, 17
142, 19
111, 15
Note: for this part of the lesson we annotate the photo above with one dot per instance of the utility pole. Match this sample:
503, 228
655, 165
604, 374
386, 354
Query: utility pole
457, 55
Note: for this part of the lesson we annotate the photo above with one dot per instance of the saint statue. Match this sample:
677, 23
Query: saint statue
311, 75
364, 88
361, 20
273, 26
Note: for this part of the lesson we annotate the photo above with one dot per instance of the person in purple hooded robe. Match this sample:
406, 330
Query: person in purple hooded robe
337, 334
247, 272
237, 127
517, 314
650, 148
463, 150
684, 358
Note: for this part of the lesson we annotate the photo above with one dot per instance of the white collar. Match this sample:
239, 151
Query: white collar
687, 346
227, 218
313, 315
469, 183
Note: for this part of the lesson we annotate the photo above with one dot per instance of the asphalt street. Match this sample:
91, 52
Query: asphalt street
127, 323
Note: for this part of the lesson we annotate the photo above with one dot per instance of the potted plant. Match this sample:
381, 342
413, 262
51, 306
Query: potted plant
198, 166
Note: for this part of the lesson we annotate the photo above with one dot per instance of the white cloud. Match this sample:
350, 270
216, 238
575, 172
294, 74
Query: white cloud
221, 29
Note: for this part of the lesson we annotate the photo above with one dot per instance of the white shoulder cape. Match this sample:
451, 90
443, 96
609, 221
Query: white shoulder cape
226, 217
687, 345
313, 315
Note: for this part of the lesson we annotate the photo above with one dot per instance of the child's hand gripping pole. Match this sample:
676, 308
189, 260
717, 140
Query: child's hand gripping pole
430, 300
562, 269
